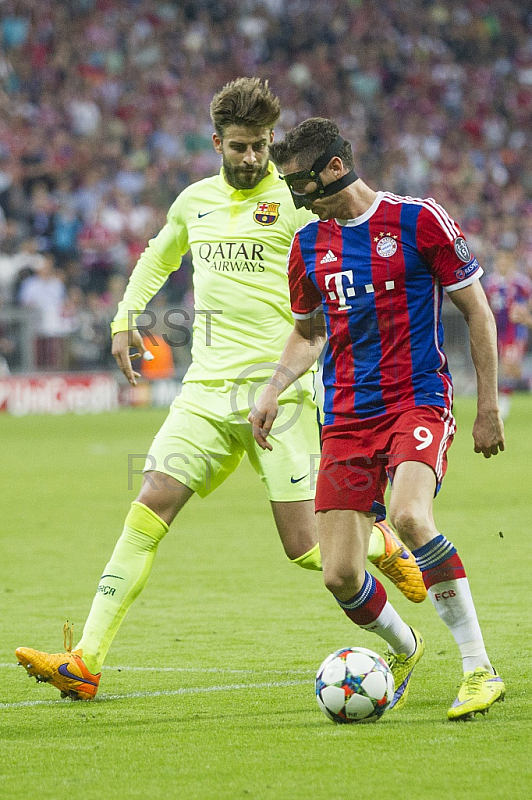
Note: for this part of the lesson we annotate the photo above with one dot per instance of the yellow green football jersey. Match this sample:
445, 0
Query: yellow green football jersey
239, 239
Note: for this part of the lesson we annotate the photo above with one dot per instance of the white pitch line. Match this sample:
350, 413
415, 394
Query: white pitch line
161, 693
212, 669
196, 670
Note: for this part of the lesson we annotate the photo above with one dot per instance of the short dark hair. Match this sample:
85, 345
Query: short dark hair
307, 141
245, 101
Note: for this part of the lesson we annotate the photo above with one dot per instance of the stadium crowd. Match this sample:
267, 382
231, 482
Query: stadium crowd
105, 119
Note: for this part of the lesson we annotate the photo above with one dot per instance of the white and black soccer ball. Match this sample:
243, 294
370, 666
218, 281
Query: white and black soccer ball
354, 685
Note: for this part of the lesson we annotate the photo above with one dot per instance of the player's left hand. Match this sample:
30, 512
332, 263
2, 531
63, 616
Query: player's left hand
262, 416
488, 433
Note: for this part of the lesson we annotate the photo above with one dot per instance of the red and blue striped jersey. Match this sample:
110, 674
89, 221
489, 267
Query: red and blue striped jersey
379, 280
503, 291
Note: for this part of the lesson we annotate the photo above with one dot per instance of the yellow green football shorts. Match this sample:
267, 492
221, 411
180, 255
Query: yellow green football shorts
206, 434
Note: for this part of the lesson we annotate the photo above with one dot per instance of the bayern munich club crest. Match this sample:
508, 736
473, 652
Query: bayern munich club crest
266, 213
386, 244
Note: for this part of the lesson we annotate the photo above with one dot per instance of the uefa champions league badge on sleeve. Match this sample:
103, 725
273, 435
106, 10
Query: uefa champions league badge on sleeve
461, 248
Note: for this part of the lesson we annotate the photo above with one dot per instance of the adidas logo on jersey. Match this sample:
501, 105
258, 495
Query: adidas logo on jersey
328, 257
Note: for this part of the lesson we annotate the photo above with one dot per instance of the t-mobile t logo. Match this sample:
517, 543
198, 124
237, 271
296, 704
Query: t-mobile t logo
337, 279
340, 289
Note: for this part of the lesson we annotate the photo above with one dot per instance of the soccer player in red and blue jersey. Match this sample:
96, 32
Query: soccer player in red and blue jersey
509, 294
367, 279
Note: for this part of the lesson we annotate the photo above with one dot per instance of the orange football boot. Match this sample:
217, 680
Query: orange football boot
399, 566
66, 671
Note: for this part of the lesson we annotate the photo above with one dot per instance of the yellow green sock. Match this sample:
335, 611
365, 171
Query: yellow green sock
377, 545
309, 560
312, 559
122, 581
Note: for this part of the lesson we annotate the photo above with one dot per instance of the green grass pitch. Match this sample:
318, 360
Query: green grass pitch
208, 688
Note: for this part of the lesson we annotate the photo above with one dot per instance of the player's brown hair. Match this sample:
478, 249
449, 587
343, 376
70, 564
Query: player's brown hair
307, 141
245, 101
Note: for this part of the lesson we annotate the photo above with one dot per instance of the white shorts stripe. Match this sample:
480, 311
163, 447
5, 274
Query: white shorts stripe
449, 428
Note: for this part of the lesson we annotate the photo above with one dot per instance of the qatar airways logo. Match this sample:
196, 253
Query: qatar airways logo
339, 286
233, 256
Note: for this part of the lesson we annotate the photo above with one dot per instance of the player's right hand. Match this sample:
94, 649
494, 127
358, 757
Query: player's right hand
122, 341
262, 416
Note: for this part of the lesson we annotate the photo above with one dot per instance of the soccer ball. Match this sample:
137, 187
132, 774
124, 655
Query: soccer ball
354, 685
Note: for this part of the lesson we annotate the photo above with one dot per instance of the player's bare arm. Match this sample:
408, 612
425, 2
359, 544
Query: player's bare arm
302, 349
488, 429
122, 341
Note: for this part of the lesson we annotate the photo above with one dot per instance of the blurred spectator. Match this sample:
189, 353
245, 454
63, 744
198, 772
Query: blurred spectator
114, 292
15, 268
11, 236
509, 291
45, 292
41, 215
105, 114
87, 322
101, 250
66, 227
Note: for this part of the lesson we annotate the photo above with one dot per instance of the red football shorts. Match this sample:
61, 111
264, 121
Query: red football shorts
358, 457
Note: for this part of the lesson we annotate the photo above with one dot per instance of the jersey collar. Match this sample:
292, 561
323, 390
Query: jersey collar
267, 182
350, 223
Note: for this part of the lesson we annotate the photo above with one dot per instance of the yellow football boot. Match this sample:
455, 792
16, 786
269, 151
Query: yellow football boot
402, 668
479, 690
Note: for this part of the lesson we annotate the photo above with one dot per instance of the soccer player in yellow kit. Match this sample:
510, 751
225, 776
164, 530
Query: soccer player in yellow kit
238, 226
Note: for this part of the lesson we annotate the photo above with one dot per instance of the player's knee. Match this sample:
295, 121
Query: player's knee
163, 495
343, 582
411, 523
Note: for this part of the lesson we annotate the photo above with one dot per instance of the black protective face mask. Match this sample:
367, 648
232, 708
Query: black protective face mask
313, 174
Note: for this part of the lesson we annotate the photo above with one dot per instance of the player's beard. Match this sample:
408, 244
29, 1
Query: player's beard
244, 177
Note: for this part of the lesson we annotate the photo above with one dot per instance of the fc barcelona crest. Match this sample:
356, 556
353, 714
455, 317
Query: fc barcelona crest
266, 213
